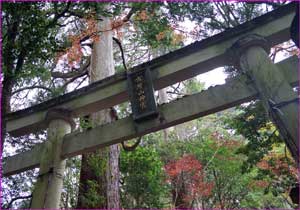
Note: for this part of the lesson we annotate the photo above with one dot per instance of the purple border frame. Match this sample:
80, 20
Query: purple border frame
120, 1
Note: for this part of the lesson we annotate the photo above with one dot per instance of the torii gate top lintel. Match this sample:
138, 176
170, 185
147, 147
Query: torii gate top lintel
166, 70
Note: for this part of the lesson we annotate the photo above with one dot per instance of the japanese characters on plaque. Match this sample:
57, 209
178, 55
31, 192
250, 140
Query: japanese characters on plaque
141, 95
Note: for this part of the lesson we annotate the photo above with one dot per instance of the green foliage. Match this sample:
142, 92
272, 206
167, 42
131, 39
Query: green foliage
254, 125
264, 149
70, 186
142, 179
259, 199
97, 164
85, 123
220, 163
151, 24
33, 40
219, 153
91, 197
192, 86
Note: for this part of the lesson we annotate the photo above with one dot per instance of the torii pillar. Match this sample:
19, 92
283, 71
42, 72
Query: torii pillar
250, 55
47, 191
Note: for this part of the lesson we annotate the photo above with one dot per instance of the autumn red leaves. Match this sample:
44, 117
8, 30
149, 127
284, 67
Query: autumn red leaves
188, 172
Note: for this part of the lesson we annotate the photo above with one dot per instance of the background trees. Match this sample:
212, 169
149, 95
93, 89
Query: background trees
143, 164
46, 52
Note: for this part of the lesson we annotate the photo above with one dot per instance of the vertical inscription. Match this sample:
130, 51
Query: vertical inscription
141, 95
139, 83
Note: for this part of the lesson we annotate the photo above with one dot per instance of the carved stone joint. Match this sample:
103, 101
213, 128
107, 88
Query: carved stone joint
60, 113
50, 171
241, 45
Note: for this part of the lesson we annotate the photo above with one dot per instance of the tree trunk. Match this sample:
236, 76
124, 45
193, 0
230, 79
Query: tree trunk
5, 106
9, 75
104, 177
179, 192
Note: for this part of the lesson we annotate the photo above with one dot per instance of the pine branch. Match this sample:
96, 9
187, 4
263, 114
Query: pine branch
17, 198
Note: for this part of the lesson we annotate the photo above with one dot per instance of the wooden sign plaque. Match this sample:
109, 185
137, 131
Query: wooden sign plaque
141, 95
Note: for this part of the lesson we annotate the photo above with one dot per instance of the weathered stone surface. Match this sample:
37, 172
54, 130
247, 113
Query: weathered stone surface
176, 66
215, 99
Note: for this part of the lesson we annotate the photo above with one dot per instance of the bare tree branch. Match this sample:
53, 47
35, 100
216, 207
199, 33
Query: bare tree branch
236, 21
74, 78
74, 73
219, 8
122, 52
59, 15
32, 87
81, 82
130, 13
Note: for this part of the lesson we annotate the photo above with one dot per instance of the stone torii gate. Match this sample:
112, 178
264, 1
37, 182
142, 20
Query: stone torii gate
245, 46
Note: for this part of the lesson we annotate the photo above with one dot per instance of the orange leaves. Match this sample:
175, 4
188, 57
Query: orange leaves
189, 170
90, 32
74, 53
177, 38
263, 164
119, 34
187, 163
220, 141
277, 165
231, 144
160, 36
118, 23
173, 36
259, 183
142, 15
91, 29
